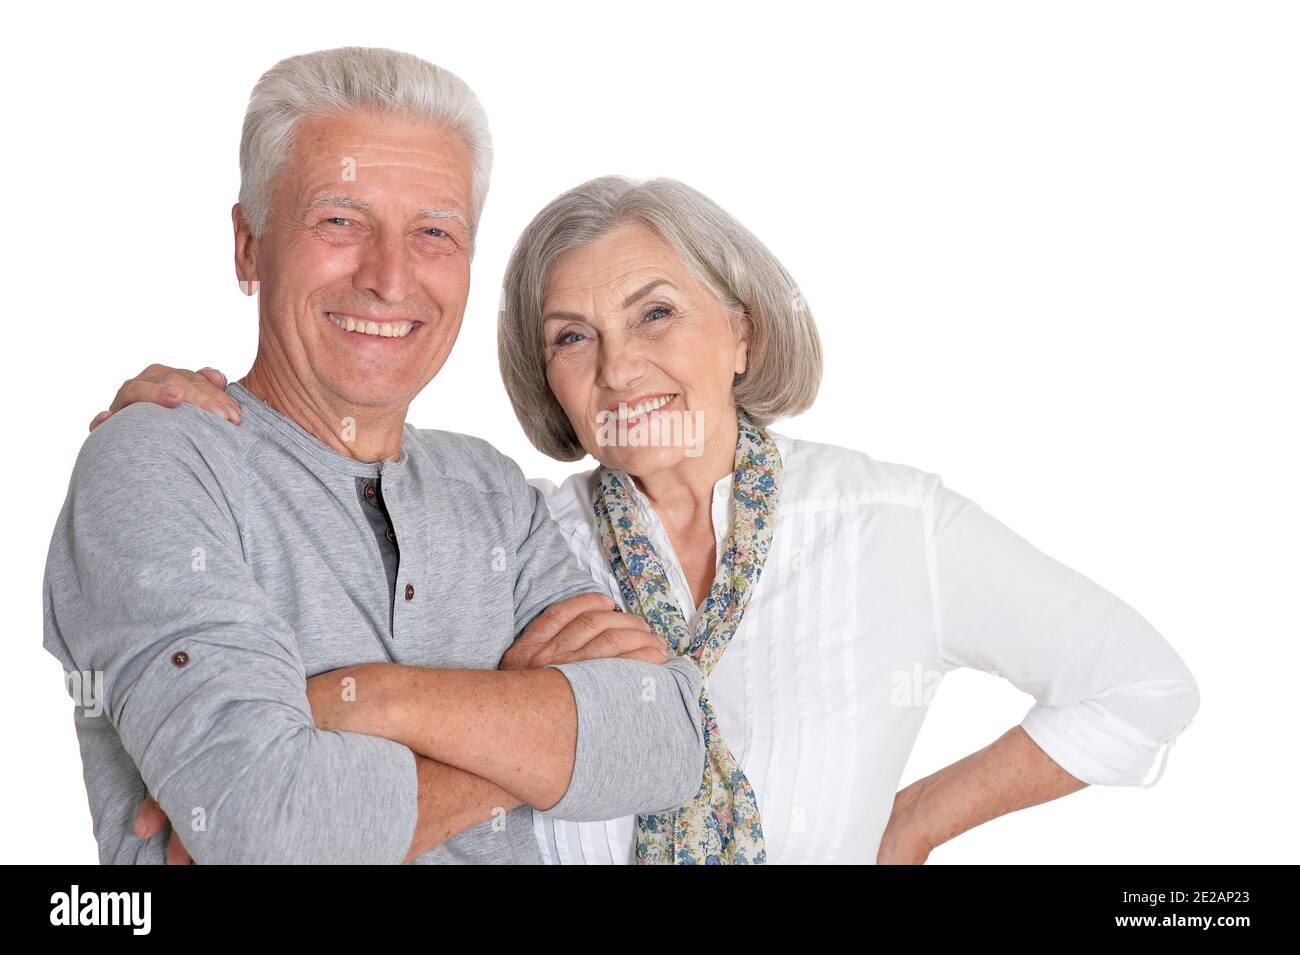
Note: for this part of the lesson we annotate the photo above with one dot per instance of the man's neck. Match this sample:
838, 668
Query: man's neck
358, 432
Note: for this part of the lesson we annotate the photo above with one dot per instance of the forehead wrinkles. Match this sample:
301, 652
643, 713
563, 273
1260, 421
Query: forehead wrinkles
368, 154
610, 277
448, 159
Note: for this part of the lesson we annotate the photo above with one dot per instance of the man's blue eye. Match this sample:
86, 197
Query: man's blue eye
438, 232
339, 220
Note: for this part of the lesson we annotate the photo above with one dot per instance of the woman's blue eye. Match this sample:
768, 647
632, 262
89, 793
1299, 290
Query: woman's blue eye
567, 337
665, 310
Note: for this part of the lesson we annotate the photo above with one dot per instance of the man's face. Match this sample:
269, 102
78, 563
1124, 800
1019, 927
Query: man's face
369, 231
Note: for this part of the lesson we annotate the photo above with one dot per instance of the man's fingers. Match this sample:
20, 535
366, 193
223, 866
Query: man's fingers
555, 617
149, 819
177, 854
645, 656
619, 643
587, 626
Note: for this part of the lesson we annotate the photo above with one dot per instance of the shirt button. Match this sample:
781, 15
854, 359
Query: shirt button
369, 493
410, 592
392, 538
180, 658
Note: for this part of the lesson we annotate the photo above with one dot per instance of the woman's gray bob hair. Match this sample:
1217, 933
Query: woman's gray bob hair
785, 358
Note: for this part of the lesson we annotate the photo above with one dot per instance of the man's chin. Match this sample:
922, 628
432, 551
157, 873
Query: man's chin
375, 392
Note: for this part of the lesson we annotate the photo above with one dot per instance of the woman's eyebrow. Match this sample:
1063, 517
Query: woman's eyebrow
646, 289
640, 293
563, 316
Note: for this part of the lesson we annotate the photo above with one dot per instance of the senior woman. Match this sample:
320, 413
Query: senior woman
822, 592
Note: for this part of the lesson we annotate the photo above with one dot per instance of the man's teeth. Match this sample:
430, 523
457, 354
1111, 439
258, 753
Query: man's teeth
382, 329
645, 407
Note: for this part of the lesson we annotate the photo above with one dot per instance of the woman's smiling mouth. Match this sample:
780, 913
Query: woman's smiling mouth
642, 407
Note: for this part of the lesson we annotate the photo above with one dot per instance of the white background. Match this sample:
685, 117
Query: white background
1051, 249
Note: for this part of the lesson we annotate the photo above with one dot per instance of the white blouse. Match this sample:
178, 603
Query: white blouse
879, 580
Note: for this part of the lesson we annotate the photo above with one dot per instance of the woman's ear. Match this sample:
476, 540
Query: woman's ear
744, 331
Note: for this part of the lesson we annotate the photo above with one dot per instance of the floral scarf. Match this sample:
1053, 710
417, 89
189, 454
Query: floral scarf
721, 825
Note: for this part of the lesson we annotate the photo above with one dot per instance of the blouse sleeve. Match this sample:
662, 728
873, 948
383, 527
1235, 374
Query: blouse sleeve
1110, 692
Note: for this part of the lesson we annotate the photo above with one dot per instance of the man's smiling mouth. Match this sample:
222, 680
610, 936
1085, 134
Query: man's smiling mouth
363, 326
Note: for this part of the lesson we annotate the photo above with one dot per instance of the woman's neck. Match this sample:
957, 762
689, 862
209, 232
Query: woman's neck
687, 487
682, 497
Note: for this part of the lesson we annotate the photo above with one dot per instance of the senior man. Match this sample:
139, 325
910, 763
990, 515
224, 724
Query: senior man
289, 632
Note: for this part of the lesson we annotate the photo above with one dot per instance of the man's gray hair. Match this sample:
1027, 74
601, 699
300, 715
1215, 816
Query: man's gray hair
350, 79
785, 358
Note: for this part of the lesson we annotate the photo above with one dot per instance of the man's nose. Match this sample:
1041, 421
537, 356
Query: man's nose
385, 268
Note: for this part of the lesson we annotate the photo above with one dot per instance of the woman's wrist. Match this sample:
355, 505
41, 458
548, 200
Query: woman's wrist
912, 832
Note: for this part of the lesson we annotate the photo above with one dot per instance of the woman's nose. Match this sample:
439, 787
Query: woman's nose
621, 365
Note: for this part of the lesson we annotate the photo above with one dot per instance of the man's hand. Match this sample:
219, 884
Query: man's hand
149, 821
170, 387
585, 627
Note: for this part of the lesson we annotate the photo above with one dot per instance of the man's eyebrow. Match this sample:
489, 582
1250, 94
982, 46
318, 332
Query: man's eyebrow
352, 202
344, 202
645, 290
443, 214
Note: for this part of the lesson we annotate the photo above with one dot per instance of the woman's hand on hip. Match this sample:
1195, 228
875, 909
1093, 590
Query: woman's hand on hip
906, 840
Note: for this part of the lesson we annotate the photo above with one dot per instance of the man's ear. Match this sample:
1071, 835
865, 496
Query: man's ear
245, 251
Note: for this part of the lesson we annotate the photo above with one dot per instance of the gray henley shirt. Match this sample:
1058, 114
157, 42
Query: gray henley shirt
201, 571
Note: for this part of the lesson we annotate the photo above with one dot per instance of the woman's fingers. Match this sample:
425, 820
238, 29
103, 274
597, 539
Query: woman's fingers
99, 419
213, 384
149, 819
137, 389
214, 376
175, 388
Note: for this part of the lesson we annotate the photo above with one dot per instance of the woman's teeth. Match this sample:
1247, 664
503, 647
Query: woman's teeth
645, 407
382, 329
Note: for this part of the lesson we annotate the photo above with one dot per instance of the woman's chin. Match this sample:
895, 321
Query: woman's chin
640, 462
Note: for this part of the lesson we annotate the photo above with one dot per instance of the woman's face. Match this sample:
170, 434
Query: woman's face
639, 354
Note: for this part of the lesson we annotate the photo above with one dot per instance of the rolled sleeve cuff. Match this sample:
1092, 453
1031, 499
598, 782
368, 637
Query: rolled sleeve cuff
636, 750
1094, 746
